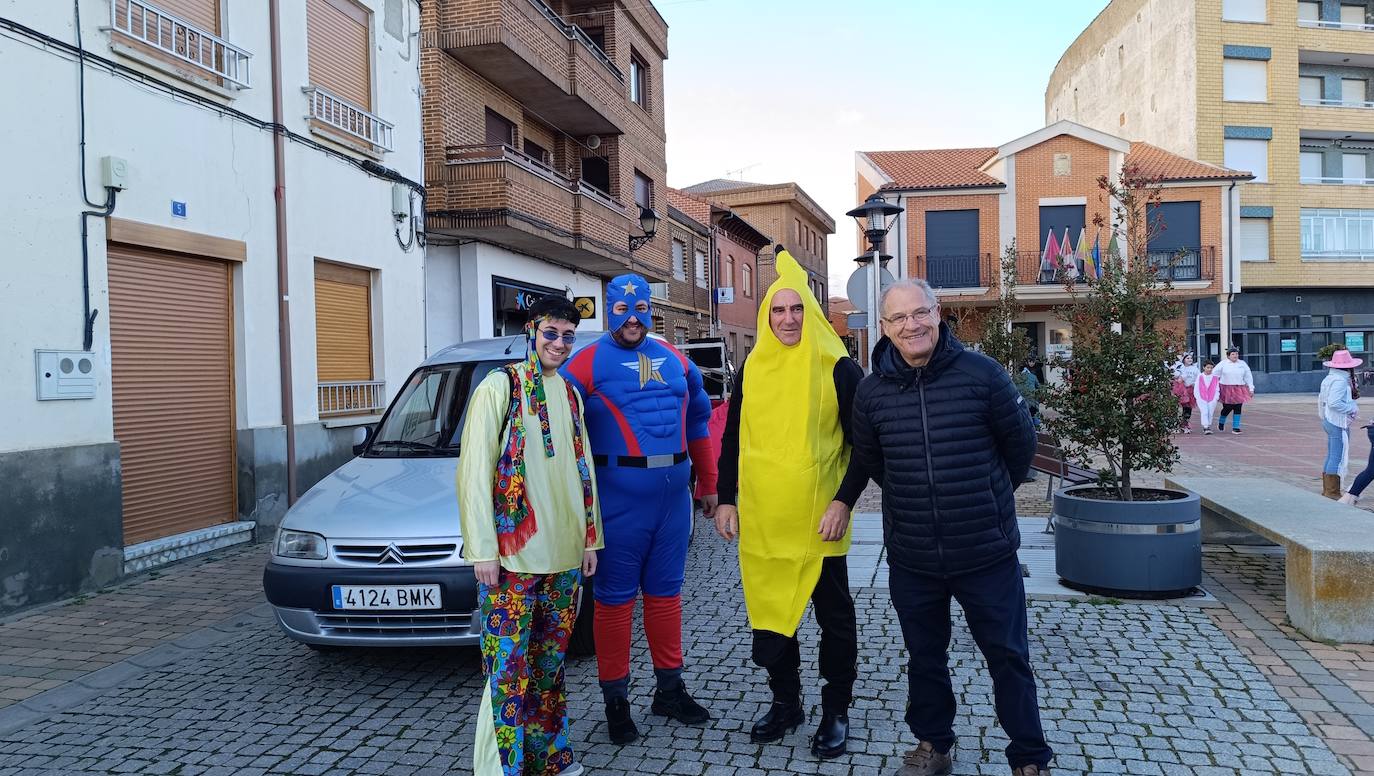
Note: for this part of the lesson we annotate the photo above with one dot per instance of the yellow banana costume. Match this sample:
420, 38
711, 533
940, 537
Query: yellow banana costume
792, 458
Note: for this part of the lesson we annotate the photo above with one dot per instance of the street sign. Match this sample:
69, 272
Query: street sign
725, 296
586, 305
857, 321
1354, 341
857, 287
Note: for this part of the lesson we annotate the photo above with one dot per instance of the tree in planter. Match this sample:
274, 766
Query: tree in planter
1115, 402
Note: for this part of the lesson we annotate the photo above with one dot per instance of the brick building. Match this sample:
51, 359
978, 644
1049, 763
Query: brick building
964, 207
855, 340
733, 272
682, 303
787, 213
1281, 90
544, 143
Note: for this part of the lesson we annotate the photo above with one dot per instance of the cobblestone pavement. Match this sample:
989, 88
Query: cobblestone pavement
1141, 689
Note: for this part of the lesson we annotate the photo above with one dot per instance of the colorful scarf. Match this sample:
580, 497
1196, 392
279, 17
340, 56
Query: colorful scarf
515, 520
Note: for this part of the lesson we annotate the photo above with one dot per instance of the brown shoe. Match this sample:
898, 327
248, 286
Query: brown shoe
925, 761
1030, 770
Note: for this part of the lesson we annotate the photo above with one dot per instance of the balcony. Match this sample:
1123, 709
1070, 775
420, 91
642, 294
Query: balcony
971, 271
365, 397
499, 195
339, 115
181, 41
1182, 265
1332, 181
547, 64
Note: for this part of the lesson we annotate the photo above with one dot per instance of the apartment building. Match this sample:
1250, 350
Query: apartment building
683, 303
1281, 89
544, 156
162, 387
731, 270
964, 207
787, 213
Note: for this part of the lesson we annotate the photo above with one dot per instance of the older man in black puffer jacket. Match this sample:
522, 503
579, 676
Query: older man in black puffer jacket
948, 437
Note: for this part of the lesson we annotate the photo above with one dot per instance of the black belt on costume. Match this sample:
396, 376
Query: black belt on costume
640, 461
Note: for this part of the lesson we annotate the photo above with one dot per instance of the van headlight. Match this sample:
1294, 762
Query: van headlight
301, 544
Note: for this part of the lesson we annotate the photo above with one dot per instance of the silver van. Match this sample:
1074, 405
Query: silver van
372, 554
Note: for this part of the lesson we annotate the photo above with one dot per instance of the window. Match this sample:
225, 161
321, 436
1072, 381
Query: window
1249, 155
1310, 89
1352, 15
1243, 10
727, 274
734, 347
338, 41
679, 335
679, 260
1309, 10
500, 130
799, 231
1256, 321
1353, 168
1288, 350
1353, 91
748, 344
1245, 80
536, 151
1254, 239
658, 290
343, 337
644, 190
597, 35
746, 278
596, 172
1255, 351
1337, 234
659, 326
639, 81
700, 268
1310, 166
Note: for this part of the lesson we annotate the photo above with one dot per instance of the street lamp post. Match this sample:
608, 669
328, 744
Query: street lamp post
648, 222
874, 217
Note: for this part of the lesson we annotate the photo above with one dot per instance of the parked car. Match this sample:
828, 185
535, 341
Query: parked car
372, 554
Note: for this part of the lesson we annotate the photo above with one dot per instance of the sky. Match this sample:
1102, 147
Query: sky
771, 91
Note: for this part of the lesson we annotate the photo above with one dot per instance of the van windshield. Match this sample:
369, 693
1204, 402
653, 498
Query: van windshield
425, 417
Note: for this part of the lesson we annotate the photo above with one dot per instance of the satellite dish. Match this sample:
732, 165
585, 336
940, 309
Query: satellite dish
593, 142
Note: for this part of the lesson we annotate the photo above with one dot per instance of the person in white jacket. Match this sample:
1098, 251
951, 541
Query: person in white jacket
1206, 394
1237, 388
1336, 408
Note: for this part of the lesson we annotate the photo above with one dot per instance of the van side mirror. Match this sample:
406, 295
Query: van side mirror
361, 436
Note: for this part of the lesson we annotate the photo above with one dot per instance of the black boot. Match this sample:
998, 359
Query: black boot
832, 736
619, 724
676, 703
782, 718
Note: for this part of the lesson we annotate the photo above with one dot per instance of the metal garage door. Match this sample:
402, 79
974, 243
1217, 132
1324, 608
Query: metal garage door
172, 375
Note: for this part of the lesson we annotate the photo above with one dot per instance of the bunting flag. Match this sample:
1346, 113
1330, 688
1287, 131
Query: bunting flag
1068, 262
1095, 260
1113, 251
1049, 258
1084, 252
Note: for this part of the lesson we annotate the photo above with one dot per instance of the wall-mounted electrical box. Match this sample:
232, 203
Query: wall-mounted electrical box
400, 201
66, 374
114, 172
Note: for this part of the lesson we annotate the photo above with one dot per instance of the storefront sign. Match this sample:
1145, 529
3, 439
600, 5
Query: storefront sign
1354, 341
586, 306
725, 296
1288, 346
510, 300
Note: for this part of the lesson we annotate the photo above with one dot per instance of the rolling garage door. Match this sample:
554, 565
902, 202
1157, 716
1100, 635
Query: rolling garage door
172, 375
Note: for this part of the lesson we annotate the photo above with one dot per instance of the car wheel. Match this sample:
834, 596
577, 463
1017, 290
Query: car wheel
583, 641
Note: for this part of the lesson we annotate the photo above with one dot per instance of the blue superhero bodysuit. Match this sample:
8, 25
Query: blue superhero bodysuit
647, 415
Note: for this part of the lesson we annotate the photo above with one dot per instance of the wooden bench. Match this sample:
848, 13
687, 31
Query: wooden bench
1049, 459
1329, 549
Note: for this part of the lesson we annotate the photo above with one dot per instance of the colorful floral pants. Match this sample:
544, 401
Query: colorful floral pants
522, 727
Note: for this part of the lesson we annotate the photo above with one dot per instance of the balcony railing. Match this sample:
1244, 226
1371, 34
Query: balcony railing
364, 397
1334, 181
500, 152
1336, 103
1181, 264
340, 114
575, 33
182, 40
1335, 25
952, 271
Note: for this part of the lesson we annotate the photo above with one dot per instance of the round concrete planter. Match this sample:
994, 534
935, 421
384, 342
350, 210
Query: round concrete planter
1135, 549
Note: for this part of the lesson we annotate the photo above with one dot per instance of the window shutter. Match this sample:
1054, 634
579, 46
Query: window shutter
701, 268
1254, 239
1246, 80
1249, 155
1310, 166
343, 323
1309, 88
202, 13
679, 260
1353, 167
1309, 11
1243, 10
1353, 90
1352, 14
339, 39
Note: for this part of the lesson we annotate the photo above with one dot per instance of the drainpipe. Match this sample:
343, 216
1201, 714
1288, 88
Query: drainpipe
1224, 308
288, 411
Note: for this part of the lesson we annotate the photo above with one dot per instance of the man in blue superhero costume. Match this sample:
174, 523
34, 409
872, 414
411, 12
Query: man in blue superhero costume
647, 414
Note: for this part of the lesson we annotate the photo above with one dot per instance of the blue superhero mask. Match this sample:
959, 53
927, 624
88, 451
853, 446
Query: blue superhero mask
630, 289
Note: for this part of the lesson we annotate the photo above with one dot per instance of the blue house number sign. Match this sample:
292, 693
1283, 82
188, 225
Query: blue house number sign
178, 209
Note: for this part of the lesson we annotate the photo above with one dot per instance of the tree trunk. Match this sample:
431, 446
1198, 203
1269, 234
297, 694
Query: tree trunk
1125, 484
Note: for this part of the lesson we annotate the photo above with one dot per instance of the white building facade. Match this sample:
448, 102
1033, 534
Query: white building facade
156, 429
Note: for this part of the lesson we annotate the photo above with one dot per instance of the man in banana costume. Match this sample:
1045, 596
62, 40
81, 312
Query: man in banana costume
784, 487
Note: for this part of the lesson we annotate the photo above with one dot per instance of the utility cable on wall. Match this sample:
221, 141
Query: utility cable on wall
99, 210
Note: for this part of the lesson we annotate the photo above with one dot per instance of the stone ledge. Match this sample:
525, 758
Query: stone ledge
160, 552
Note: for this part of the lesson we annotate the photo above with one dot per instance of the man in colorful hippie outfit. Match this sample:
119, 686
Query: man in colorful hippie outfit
531, 528
785, 462
647, 414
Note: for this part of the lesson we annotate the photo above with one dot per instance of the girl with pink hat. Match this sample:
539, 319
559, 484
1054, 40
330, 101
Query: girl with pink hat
1336, 407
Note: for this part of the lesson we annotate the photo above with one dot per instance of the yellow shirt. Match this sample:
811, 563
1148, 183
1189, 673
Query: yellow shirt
553, 485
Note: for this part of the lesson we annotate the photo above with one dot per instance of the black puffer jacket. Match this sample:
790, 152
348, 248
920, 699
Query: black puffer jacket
948, 443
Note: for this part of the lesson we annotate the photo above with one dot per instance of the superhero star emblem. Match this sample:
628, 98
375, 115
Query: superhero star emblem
647, 369
630, 288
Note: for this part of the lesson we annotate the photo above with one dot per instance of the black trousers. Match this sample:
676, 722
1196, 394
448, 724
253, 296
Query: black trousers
780, 655
994, 604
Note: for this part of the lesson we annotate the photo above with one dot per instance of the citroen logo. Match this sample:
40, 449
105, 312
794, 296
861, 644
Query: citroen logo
392, 554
